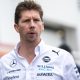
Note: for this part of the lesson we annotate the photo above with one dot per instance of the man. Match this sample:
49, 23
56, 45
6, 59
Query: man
32, 59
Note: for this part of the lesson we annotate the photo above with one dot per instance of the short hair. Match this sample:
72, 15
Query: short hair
27, 5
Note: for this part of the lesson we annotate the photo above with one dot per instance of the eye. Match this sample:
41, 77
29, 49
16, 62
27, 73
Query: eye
27, 20
37, 20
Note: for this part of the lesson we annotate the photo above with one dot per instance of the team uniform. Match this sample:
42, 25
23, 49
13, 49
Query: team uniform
50, 63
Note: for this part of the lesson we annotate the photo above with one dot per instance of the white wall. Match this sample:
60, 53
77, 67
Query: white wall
7, 32
51, 37
62, 11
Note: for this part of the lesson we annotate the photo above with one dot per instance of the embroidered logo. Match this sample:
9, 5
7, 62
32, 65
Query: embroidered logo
46, 59
13, 63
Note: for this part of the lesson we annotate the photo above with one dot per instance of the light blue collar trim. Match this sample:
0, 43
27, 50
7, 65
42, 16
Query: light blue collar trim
40, 48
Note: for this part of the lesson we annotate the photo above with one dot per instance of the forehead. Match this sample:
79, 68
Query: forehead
30, 14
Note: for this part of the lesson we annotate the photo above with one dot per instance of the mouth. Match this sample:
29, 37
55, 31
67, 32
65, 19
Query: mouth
32, 33
32, 36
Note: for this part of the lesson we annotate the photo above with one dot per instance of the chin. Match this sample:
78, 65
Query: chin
31, 40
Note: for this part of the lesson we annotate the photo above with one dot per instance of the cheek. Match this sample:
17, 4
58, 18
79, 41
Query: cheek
21, 30
41, 28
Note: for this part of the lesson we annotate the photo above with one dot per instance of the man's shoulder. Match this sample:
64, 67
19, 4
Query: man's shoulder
62, 55
7, 56
59, 51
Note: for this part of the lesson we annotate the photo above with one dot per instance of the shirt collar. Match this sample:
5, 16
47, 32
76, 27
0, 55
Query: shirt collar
40, 48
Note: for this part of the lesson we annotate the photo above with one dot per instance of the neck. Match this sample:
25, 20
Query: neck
27, 50
29, 45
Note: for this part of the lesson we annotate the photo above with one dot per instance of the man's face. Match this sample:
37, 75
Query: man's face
30, 26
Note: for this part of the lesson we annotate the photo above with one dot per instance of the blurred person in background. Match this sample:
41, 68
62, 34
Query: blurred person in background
32, 59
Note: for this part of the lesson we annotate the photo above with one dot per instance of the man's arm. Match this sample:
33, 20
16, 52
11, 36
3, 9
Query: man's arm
70, 69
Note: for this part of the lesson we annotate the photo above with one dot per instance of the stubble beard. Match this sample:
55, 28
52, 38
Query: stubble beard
28, 38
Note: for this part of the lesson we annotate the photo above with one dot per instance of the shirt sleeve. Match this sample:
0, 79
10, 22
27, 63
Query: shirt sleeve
70, 69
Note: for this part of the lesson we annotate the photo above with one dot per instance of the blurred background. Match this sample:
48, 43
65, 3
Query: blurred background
62, 25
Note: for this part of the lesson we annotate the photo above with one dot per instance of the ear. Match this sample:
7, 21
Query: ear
16, 27
42, 26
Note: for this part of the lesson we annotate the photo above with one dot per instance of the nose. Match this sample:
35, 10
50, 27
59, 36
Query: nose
32, 23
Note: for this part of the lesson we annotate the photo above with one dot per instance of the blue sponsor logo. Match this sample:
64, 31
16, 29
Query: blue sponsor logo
45, 67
